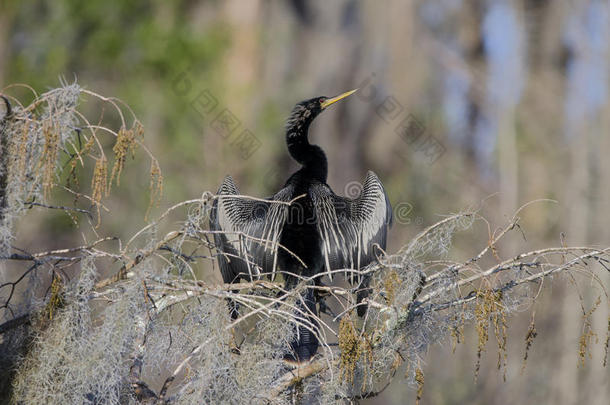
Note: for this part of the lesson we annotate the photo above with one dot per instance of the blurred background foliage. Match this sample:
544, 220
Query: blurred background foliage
514, 94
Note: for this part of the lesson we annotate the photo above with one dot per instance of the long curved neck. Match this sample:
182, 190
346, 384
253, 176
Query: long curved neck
311, 157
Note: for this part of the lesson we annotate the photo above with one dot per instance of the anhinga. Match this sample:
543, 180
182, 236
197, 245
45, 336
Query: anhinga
304, 229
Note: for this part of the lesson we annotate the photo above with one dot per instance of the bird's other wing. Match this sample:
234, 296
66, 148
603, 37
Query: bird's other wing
351, 229
247, 231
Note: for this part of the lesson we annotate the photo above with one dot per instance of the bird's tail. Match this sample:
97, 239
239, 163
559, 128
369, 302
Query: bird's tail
305, 344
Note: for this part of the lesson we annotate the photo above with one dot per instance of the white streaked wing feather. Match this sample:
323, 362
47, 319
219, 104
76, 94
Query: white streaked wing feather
350, 227
260, 222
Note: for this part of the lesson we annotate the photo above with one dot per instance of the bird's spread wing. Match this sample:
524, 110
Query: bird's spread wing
349, 228
247, 231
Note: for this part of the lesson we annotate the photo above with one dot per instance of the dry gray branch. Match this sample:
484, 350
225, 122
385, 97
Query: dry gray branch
136, 325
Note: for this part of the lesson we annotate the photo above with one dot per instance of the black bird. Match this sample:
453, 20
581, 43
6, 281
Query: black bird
304, 229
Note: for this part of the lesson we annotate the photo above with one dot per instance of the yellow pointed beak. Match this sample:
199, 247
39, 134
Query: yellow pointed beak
333, 100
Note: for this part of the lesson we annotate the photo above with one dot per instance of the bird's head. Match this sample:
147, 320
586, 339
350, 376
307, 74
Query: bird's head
306, 111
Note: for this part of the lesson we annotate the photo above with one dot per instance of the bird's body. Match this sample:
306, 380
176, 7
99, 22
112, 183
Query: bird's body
300, 234
303, 230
